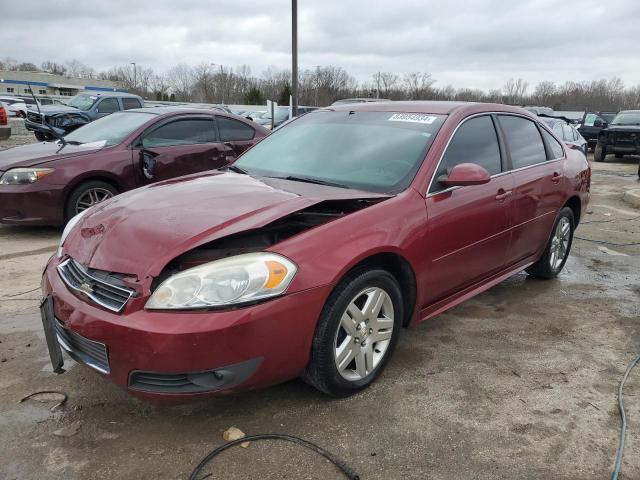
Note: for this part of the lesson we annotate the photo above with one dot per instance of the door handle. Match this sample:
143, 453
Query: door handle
503, 194
555, 178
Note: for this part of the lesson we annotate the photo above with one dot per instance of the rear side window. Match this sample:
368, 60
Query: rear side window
233, 131
129, 103
554, 145
474, 142
108, 105
181, 132
523, 140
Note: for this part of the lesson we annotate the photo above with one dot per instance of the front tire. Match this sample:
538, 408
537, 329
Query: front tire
557, 251
87, 195
619, 155
599, 153
356, 333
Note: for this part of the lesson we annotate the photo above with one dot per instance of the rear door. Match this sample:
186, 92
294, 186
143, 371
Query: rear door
537, 161
468, 227
107, 106
235, 135
179, 146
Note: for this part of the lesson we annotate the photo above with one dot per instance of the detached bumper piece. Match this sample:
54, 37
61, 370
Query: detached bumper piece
194, 382
92, 353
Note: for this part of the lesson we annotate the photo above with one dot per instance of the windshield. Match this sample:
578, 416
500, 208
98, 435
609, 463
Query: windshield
111, 129
627, 118
83, 102
374, 151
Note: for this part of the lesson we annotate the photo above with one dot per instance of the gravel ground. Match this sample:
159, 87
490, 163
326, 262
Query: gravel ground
519, 382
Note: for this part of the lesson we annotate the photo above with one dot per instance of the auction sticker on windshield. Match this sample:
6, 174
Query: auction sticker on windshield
412, 117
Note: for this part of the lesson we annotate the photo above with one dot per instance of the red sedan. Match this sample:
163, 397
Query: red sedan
47, 183
309, 254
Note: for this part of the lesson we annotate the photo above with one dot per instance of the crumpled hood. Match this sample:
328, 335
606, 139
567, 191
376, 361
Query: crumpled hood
139, 232
42, 152
53, 109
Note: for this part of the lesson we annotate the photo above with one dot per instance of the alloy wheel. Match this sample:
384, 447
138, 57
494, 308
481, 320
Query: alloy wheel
560, 243
92, 197
364, 334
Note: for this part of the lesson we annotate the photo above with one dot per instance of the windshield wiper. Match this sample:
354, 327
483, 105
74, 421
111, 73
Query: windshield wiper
237, 169
315, 181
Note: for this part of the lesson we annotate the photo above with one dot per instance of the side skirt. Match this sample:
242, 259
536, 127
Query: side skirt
471, 291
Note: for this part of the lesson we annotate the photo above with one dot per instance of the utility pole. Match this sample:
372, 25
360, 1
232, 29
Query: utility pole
134, 74
294, 56
317, 82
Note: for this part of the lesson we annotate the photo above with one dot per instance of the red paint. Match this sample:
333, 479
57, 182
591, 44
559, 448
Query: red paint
458, 243
43, 202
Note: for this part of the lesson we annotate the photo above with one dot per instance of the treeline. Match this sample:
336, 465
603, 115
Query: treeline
211, 83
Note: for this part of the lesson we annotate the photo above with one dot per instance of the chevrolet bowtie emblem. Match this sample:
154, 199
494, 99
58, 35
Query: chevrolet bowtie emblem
86, 288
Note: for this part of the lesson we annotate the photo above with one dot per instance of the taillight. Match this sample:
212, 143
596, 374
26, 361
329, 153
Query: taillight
3, 116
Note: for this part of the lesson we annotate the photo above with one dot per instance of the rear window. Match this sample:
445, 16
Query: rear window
523, 140
233, 131
129, 103
554, 145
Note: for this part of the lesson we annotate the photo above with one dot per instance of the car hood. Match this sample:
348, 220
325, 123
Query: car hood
42, 152
139, 232
53, 109
624, 128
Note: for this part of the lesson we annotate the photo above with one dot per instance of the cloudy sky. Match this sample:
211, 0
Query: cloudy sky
465, 43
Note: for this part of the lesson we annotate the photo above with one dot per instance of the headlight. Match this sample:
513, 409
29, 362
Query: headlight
233, 280
22, 176
67, 229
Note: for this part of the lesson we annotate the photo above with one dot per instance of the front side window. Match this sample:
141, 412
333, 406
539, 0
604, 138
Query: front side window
234, 131
476, 142
523, 140
108, 105
372, 151
187, 131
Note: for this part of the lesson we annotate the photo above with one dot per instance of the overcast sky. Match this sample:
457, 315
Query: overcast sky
464, 43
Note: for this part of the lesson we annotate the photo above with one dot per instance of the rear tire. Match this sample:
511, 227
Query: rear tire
599, 153
558, 247
354, 340
86, 195
619, 155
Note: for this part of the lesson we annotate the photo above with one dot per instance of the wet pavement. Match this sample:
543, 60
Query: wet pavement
518, 382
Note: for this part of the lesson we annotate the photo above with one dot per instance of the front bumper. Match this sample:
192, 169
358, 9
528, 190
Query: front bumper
33, 204
241, 349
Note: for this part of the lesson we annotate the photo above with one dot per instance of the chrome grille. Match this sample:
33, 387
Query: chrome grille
87, 351
96, 285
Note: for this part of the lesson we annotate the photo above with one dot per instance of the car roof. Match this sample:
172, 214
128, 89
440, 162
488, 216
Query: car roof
629, 111
109, 94
166, 109
433, 107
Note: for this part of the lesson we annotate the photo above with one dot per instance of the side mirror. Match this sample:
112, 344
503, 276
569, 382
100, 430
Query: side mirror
598, 123
465, 174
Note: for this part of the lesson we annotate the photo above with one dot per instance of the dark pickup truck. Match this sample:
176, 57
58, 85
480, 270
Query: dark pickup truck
592, 123
621, 137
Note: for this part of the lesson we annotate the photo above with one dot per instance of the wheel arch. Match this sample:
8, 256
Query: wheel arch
398, 266
575, 204
89, 177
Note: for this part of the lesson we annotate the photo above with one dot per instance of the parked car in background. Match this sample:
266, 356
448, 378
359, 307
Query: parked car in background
48, 183
313, 250
620, 137
5, 129
565, 131
359, 100
539, 110
592, 123
15, 107
573, 117
281, 115
80, 110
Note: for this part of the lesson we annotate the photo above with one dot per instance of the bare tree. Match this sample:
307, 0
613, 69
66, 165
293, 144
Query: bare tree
418, 85
53, 67
180, 78
515, 90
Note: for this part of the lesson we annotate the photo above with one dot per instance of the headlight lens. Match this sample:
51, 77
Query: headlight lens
23, 176
67, 229
230, 281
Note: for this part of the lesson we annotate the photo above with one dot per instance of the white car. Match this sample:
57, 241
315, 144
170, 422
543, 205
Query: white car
16, 107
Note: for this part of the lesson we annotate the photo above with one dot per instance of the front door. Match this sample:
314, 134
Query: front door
179, 147
469, 227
